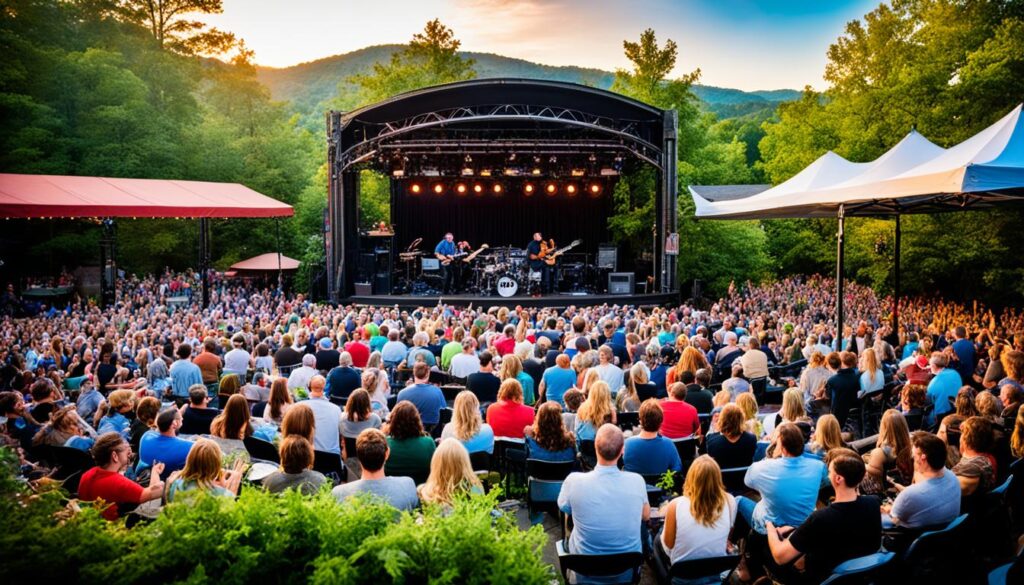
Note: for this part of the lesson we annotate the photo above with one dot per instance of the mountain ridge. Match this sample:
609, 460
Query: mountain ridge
310, 85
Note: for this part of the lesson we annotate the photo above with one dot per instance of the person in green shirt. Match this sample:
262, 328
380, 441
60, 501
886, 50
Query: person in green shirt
452, 348
410, 447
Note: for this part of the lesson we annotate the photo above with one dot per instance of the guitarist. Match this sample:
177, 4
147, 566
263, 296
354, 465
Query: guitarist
445, 252
537, 251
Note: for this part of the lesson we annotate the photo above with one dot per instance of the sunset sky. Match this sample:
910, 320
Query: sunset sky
744, 44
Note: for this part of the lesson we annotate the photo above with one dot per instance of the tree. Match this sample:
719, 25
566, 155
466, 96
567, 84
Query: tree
431, 58
944, 67
169, 22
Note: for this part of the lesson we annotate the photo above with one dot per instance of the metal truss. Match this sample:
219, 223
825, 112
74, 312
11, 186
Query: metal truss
376, 136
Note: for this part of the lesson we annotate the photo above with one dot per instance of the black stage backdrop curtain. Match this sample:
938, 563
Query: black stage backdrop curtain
509, 219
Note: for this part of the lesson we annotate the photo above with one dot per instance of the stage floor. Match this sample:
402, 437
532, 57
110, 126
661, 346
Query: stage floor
559, 301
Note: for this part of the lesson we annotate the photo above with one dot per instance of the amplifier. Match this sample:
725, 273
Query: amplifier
607, 257
620, 283
363, 288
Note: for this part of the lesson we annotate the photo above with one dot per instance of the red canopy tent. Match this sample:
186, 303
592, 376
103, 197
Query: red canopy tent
61, 196
42, 196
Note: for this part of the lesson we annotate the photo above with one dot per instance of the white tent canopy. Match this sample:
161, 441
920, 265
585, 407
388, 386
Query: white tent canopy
913, 176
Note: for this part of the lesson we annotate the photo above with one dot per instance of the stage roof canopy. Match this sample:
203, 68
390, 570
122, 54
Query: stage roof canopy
266, 263
48, 196
503, 124
915, 176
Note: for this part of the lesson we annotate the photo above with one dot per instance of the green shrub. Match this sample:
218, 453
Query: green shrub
265, 538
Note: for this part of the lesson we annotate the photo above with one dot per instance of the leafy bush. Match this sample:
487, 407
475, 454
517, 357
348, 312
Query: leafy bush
288, 538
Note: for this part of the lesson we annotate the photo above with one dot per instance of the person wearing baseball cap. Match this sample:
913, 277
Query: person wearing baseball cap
326, 356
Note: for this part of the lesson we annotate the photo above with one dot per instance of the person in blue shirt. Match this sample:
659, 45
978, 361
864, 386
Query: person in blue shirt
89, 399
965, 354
445, 251
120, 403
649, 453
788, 483
557, 380
942, 387
427, 398
608, 506
163, 445
394, 351
184, 373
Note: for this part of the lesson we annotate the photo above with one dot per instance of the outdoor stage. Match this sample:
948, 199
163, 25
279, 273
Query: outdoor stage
494, 161
556, 301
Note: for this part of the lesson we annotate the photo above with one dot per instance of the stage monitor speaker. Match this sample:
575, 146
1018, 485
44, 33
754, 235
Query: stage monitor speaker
382, 283
620, 283
430, 264
364, 289
608, 257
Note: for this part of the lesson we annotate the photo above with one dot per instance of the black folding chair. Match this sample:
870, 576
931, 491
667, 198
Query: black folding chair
481, 461
350, 447
866, 569
936, 556
599, 565
329, 464
732, 478
446, 417
699, 568
510, 458
71, 463
543, 483
627, 420
260, 449
588, 454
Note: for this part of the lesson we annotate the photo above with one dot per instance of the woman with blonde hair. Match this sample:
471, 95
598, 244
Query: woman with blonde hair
827, 436
451, 475
1017, 438
299, 420
628, 399
988, 406
468, 426
375, 382
698, 523
202, 472
595, 411
587, 379
792, 411
512, 369
871, 378
891, 454
110, 416
814, 376
279, 403
748, 404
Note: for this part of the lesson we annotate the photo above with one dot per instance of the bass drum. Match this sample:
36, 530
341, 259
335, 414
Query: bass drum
507, 286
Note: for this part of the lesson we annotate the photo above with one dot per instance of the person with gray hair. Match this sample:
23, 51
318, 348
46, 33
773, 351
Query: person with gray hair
419, 351
601, 528
344, 379
300, 377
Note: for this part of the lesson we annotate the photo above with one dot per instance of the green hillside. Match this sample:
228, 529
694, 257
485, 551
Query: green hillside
309, 86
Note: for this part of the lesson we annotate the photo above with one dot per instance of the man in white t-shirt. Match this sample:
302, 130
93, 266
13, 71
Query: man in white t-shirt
237, 361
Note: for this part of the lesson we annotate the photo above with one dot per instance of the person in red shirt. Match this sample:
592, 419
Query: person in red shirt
681, 418
508, 416
105, 482
506, 342
359, 351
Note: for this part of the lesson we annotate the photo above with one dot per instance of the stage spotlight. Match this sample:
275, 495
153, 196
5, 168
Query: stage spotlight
478, 188
551, 189
594, 189
438, 188
461, 188
497, 188
536, 171
415, 188
570, 189
528, 189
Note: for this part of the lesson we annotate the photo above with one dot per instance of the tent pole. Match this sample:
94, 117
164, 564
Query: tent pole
277, 230
204, 259
896, 283
840, 249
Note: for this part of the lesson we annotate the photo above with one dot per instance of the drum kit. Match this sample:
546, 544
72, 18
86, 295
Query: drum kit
502, 271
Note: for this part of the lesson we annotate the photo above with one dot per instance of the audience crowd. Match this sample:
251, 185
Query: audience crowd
755, 409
